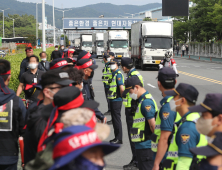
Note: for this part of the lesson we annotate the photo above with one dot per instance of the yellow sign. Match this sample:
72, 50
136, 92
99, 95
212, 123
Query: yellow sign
157, 61
119, 56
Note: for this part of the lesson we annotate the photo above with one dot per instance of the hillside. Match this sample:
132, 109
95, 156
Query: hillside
106, 9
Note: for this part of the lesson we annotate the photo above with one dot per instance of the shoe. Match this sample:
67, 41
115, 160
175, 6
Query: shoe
104, 121
131, 166
107, 113
116, 141
112, 140
109, 122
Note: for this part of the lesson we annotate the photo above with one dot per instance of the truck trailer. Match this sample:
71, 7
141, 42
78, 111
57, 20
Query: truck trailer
149, 42
117, 42
86, 42
97, 44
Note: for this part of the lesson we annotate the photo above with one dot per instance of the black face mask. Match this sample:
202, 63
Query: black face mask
92, 74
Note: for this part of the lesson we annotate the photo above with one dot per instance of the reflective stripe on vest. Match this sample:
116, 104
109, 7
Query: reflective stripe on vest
173, 148
112, 93
157, 130
139, 121
128, 99
107, 75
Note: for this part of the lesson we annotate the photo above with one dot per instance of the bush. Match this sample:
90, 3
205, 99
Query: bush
15, 61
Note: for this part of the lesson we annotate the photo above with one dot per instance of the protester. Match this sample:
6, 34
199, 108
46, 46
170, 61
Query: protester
77, 76
61, 50
56, 54
60, 63
12, 113
29, 78
44, 63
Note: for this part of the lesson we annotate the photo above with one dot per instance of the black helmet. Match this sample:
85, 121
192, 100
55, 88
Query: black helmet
168, 55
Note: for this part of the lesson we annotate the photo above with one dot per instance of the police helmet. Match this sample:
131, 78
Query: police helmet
168, 55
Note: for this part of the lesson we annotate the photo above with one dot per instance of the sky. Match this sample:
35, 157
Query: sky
71, 3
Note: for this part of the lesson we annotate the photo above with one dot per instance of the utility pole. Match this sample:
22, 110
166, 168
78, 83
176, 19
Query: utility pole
43, 26
13, 25
3, 10
53, 20
64, 12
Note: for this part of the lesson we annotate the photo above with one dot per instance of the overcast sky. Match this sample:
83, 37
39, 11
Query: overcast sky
72, 3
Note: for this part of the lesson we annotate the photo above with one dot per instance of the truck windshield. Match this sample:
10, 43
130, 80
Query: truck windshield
158, 43
119, 44
87, 44
100, 44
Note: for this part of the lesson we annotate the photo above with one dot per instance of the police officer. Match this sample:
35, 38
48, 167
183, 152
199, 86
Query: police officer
128, 68
29, 78
143, 121
107, 75
111, 54
165, 118
116, 88
12, 112
87, 67
186, 135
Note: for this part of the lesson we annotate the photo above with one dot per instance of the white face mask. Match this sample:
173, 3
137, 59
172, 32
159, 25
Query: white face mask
173, 105
133, 95
108, 59
204, 126
62, 48
43, 59
113, 66
82, 86
33, 65
56, 49
52, 93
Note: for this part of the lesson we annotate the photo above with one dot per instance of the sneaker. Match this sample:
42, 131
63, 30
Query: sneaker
131, 166
109, 122
107, 113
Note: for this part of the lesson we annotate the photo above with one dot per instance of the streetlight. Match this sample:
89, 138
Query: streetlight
37, 23
3, 10
43, 26
53, 6
132, 14
13, 25
64, 11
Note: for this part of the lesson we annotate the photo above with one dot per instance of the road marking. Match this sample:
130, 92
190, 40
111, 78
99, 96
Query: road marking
200, 77
151, 85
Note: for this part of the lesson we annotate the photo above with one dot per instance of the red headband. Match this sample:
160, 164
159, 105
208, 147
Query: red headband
86, 65
59, 64
7, 73
75, 142
87, 56
92, 122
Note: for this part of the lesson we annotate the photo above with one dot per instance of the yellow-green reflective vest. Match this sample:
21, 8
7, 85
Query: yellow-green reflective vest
107, 74
112, 93
128, 99
157, 130
138, 131
173, 148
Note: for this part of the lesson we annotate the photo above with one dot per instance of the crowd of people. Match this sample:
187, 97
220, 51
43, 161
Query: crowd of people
62, 128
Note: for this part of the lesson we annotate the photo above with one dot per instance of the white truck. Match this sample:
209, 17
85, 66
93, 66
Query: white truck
86, 42
117, 42
77, 43
149, 42
97, 44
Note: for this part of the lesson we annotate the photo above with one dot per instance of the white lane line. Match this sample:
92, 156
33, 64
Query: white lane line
151, 85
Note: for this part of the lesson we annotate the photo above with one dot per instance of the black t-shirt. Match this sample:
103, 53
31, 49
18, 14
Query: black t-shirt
30, 78
55, 55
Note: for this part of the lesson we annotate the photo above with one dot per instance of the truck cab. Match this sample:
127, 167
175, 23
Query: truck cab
98, 44
86, 42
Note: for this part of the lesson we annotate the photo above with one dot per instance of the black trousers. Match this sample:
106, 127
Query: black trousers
183, 52
145, 159
129, 123
177, 52
116, 119
9, 167
108, 101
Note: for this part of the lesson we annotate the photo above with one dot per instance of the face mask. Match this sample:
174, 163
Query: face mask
56, 49
62, 48
52, 93
43, 59
92, 74
113, 67
82, 86
204, 126
108, 59
173, 104
133, 95
82, 163
32, 65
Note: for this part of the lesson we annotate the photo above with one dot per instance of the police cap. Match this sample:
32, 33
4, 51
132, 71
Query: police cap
166, 75
126, 62
130, 84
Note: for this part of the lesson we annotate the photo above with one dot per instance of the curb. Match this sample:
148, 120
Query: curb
200, 58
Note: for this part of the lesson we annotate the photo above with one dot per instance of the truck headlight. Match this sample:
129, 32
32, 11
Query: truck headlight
147, 57
126, 54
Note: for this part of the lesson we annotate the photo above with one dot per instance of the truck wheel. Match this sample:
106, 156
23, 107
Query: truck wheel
142, 65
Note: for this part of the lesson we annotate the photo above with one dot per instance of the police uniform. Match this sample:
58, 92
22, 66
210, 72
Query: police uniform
115, 98
140, 130
107, 75
186, 136
165, 117
127, 62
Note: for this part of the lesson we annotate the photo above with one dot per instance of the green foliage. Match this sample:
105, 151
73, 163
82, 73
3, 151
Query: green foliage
147, 19
15, 61
66, 40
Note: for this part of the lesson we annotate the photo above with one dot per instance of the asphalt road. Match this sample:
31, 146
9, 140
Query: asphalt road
206, 77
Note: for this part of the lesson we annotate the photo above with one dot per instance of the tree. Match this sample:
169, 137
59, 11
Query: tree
66, 40
147, 19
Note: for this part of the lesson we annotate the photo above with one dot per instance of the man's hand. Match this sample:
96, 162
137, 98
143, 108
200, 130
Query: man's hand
155, 167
